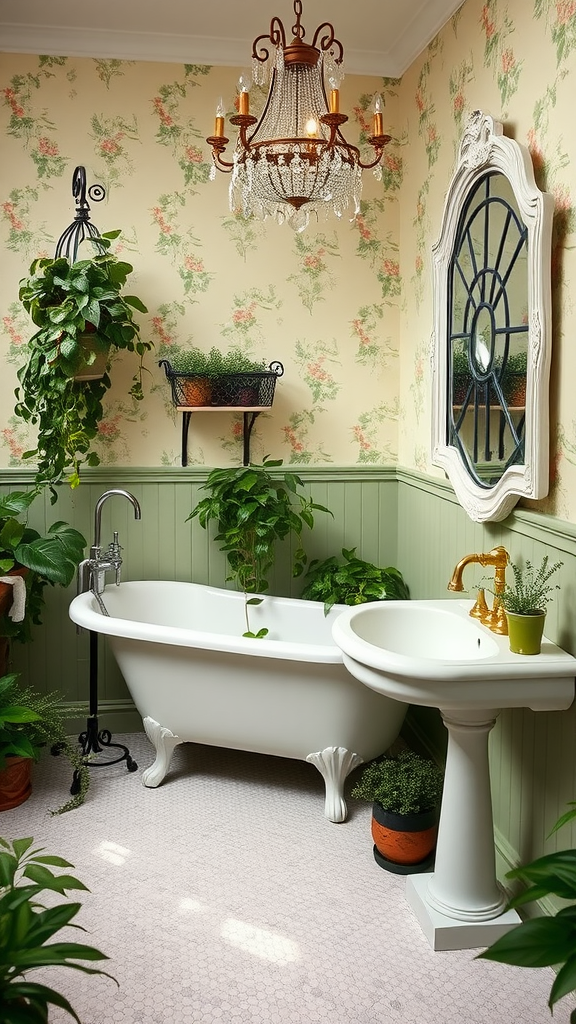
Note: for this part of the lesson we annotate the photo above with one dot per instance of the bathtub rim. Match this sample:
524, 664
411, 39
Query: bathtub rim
84, 612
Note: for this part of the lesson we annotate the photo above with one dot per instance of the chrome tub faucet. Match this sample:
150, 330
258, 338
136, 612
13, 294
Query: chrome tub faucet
92, 571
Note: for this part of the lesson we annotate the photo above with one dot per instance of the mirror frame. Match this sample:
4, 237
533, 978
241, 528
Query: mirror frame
484, 148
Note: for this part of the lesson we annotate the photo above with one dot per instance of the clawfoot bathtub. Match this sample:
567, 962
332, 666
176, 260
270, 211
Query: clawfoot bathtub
194, 678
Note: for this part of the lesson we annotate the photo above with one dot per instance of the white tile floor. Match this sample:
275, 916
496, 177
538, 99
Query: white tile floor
226, 897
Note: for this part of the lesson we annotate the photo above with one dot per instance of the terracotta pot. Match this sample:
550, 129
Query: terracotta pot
15, 782
525, 631
403, 843
196, 391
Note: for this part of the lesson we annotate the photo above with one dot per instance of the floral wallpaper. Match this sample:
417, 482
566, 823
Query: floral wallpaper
326, 302
346, 307
515, 60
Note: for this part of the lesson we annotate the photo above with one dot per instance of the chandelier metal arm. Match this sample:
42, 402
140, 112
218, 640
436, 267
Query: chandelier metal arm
378, 142
276, 36
328, 41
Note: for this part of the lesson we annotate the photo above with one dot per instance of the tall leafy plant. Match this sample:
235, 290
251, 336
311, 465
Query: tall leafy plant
26, 926
254, 508
545, 941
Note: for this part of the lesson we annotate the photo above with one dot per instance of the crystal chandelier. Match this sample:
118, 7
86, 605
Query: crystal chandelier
295, 159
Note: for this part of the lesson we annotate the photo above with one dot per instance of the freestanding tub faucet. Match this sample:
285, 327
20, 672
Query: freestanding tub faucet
495, 617
92, 571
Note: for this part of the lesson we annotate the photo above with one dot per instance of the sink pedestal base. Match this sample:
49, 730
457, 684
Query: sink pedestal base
445, 932
461, 905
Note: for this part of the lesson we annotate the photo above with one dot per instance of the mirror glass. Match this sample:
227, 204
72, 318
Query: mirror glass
492, 319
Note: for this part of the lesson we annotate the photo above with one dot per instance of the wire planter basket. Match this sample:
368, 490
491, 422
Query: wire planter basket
253, 389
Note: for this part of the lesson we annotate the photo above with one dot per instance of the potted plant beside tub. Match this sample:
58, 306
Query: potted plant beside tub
29, 723
525, 601
405, 791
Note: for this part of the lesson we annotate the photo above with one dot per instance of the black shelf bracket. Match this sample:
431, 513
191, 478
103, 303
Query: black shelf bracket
249, 416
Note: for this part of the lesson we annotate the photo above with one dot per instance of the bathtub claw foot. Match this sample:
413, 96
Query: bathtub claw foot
334, 764
163, 742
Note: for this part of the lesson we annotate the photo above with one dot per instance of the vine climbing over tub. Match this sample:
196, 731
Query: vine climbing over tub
254, 508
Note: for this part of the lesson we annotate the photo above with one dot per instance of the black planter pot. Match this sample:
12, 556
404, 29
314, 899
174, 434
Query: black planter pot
404, 843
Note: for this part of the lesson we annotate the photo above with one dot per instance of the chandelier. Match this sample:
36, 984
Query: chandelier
294, 159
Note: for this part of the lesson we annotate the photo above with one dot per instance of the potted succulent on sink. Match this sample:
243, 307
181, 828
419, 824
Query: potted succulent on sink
352, 582
81, 313
215, 378
405, 791
548, 941
26, 928
525, 602
254, 508
30, 722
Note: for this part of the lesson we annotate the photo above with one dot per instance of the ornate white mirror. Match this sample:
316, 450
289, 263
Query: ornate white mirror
492, 311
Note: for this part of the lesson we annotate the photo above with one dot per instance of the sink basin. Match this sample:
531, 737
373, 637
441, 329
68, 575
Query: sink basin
433, 653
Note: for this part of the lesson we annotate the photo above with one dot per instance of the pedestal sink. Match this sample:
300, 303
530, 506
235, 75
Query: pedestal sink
432, 653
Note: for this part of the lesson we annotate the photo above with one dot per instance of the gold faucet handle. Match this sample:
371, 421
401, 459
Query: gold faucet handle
480, 609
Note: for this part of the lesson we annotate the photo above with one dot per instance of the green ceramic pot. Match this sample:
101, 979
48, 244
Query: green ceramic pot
525, 631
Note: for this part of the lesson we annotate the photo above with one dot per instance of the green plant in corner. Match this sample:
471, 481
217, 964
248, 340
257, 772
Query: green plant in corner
26, 926
545, 941
65, 301
254, 508
352, 582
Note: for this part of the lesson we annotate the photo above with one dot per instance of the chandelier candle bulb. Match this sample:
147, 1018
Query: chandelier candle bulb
219, 120
334, 101
378, 116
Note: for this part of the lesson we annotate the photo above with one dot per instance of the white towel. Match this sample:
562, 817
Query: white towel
18, 607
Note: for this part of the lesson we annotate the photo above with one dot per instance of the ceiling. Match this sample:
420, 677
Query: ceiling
380, 37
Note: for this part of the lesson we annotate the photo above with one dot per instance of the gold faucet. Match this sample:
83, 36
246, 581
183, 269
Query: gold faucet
495, 617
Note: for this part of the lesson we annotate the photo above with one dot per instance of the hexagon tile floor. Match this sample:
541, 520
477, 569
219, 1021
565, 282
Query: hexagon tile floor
226, 897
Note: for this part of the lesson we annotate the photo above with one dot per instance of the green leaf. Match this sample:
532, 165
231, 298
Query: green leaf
254, 600
539, 942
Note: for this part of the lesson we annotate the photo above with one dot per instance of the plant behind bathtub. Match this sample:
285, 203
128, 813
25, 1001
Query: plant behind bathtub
352, 582
253, 510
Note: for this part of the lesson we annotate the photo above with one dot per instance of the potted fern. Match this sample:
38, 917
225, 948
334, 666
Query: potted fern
81, 313
352, 582
26, 928
254, 508
29, 723
405, 791
525, 602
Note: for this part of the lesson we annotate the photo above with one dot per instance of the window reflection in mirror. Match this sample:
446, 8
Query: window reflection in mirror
488, 331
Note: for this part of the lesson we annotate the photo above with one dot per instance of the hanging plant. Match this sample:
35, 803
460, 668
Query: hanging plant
80, 313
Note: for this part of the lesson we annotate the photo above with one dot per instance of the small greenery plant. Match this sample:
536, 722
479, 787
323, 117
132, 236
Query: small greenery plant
351, 582
545, 941
531, 591
254, 508
404, 784
65, 300
26, 926
215, 362
50, 559
30, 722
